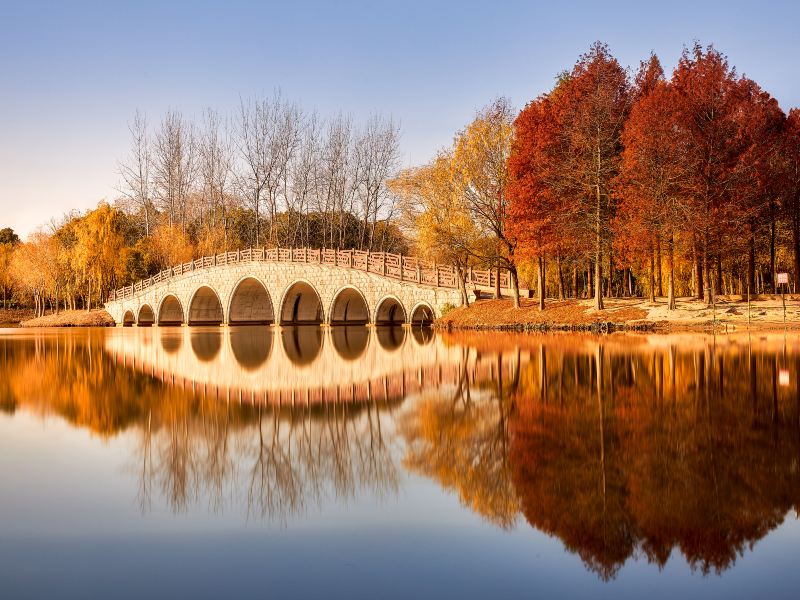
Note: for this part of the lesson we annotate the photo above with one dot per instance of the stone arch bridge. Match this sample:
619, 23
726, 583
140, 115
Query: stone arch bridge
295, 286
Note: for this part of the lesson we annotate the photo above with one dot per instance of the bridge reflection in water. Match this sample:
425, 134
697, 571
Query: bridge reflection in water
292, 364
621, 446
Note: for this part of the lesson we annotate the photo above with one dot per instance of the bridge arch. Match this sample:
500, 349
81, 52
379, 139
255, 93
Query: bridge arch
250, 303
390, 311
146, 316
128, 319
170, 311
349, 306
205, 307
301, 304
422, 314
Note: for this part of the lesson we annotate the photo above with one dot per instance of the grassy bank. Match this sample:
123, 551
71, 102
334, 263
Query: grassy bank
625, 313
72, 318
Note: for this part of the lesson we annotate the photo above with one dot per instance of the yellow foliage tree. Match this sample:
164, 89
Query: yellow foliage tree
434, 207
458, 204
98, 252
170, 245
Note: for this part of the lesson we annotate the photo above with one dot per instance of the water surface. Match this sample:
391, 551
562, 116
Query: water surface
394, 462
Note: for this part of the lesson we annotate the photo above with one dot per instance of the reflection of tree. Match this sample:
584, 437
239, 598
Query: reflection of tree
615, 466
277, 460
460, 440
618, 447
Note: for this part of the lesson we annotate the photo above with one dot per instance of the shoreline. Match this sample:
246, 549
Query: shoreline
624, 314
71, 318
620, 315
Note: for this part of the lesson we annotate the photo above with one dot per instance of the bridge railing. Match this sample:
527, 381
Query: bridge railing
385, 264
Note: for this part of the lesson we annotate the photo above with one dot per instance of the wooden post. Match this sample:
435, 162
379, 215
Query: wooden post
783, 301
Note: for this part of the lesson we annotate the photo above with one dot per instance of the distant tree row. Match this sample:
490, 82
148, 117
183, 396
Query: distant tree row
612, 183
270, 159
619, 181
268, 176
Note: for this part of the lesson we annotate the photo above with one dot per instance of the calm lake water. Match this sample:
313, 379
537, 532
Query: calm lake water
397, 463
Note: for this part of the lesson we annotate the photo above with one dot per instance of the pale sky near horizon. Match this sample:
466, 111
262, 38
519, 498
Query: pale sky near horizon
74, 73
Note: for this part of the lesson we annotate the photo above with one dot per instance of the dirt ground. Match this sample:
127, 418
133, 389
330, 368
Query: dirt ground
766, 312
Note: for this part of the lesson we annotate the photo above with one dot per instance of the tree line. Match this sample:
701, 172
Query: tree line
614, 181
268, 175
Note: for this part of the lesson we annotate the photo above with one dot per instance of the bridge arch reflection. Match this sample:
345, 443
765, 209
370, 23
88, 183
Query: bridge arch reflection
251, 346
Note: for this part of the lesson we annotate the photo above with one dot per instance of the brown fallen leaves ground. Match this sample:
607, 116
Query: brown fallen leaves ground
567, 312
766, 312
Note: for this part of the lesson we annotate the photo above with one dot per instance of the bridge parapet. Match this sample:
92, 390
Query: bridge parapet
384, 264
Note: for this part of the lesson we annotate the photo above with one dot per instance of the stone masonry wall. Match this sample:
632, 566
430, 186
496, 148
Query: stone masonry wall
277, 277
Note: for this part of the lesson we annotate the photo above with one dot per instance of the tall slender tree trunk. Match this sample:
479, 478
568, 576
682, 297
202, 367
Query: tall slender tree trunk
575, 282
796, 240
772, 228
497, 282
610, 290
652, 278
751, 261
698, 274
659, 288
560, 277
541, 282
462, 286
598, 264
671, 276
513, 278
706, 271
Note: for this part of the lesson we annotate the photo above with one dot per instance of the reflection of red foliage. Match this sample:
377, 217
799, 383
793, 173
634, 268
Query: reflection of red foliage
709, 469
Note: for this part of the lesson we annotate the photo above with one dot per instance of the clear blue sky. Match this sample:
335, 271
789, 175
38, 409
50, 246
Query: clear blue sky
73, 73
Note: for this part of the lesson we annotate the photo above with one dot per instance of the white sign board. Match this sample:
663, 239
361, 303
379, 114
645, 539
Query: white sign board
783, 278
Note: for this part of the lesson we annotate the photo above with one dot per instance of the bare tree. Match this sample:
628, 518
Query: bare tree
304, 179
215, 166
174, 166
377, 149
136, 185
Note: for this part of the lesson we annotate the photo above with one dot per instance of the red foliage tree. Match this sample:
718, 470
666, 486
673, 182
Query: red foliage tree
572, 168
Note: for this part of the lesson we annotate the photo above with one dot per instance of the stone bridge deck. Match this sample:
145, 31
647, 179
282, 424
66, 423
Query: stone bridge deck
295, 286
